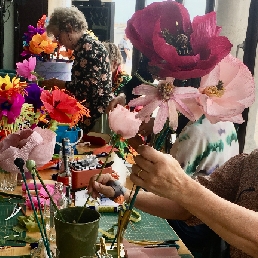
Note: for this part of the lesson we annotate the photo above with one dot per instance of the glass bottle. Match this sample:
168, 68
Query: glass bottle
59, 199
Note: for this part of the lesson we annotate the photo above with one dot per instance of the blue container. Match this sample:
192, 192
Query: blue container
64, 131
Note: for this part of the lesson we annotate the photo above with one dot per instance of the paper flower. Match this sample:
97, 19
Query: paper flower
25, 68
10, 107
124, 122
10, 86
37, 43
163, 32
62, 107
41, 43
227, 91
169, 99
37, 144
33, 96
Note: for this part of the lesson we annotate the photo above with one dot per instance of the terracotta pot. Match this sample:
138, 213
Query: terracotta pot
77, 239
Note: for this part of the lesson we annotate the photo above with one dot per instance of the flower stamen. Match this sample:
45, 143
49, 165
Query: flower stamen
216, 91
180, 42
165, 90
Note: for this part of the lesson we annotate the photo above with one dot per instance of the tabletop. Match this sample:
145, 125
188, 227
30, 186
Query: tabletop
46, 176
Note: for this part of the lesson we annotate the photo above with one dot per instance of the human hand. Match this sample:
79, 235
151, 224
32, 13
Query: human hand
158, 173
120, 99
96, 188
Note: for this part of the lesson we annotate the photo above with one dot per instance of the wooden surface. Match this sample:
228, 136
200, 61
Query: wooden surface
46, 175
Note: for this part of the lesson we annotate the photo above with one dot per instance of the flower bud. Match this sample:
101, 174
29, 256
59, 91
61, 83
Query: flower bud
31, 165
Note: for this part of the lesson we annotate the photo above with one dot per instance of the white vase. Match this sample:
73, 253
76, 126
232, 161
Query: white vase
58, 70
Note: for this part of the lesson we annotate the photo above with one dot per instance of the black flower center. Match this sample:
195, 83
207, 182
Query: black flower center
6, 106
56, 102
180, 42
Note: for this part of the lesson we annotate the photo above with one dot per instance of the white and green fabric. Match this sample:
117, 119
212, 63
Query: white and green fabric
202, 147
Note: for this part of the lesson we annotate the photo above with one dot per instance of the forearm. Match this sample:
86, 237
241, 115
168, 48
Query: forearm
158, 206
235, 224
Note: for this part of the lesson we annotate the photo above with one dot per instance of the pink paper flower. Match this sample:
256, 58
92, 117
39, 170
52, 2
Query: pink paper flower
10, 107
124, 122
25, 68
170, 100
227, 91
163, 32
37, 144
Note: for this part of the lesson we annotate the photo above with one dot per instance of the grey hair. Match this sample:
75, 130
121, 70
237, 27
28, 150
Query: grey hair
64, 17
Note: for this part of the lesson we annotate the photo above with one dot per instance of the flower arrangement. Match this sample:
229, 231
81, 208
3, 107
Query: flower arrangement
37, 43
26, 105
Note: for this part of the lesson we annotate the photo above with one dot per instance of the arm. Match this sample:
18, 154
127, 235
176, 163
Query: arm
163, 176
145, 201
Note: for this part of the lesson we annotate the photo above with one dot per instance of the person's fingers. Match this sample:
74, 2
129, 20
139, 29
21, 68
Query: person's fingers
103, 179
138, 175
148, 154
108, 191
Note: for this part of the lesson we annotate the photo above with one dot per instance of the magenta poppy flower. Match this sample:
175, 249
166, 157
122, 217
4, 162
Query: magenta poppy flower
227, 91
25, 68
170, 100
11, 107
163, 32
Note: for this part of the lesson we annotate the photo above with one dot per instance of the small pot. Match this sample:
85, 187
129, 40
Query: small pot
77, 239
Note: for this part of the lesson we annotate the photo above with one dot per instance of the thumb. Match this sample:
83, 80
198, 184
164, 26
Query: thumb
108, 191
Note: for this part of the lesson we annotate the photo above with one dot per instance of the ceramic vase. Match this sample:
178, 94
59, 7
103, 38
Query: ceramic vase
58, 70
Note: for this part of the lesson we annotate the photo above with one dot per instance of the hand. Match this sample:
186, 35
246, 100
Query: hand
120, 99
147, 128
158, 173
96, 188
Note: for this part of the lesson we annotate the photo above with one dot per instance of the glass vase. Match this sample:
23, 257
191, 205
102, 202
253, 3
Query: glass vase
8, 181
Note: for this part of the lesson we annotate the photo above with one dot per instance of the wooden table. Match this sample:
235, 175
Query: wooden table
46, 175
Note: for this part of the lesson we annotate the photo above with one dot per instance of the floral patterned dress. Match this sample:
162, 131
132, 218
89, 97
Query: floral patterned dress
91, 79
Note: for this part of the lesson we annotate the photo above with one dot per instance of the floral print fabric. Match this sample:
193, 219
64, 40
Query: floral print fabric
91, 79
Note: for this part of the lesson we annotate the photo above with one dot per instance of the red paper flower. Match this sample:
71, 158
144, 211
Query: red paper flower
60, 106
164, 33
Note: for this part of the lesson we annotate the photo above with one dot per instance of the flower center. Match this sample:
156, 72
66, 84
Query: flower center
3, 86
165, 90
56, 103
216, 91
179, 41
6, 106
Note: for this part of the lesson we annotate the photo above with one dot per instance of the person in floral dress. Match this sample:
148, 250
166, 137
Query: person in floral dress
91, 76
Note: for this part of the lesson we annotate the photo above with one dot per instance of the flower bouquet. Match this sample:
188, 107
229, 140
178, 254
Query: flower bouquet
197, 76
29, 117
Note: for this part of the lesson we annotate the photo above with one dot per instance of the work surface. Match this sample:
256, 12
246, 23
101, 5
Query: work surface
148, 226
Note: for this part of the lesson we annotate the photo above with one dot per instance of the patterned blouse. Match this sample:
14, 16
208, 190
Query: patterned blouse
91, 79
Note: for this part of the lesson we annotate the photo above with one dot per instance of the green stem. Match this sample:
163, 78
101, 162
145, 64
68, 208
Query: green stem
50, 197
42, 219
144, 81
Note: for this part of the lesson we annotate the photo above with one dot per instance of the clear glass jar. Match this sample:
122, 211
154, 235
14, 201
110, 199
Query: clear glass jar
59, 199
